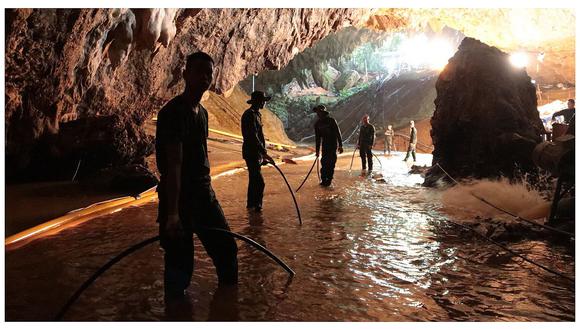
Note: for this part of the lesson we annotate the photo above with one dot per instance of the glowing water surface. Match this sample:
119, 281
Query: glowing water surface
367, 251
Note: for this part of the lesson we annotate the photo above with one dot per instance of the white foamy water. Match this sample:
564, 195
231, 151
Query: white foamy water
517, 198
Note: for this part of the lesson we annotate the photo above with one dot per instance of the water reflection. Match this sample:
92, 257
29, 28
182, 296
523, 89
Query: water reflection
369, 250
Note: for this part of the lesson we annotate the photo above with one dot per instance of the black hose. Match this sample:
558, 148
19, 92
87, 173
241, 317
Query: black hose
511, 251
556, 230
377, 157
307, 175
257, 246
524, 219
352, 158
151, 240
318, 169
77, 170
100, 272
291, 191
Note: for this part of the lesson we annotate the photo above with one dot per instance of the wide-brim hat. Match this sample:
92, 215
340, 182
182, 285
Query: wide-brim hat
320, 107
258, 96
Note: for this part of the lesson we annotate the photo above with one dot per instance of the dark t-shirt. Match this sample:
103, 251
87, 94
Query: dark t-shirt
254, 145
367, 135
178, 123
328, 134
567, 113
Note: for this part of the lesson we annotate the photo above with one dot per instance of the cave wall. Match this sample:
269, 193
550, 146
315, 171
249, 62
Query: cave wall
486, 122
65, 65
314, 62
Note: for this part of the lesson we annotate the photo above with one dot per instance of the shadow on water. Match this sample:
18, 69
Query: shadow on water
370, 249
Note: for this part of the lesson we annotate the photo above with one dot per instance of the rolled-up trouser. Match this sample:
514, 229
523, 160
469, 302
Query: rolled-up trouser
327, 162
411, 150
388, 144
255, 183
366, 155
199, 210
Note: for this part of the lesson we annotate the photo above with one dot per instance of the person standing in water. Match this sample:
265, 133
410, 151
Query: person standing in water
328, 135
187, 202
412, 142
389, 134
366, 141
254, 149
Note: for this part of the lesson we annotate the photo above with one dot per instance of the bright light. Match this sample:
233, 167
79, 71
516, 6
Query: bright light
419, 51
440, 52
519, 60
413, 50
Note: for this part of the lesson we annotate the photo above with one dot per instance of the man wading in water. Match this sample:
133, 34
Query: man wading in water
366, 140
389, 133
328, 134
412, 142
254, 149
186, 198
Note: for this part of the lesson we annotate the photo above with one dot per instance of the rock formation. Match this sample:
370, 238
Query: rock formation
84, 67
486, 122
64, 65
347, 80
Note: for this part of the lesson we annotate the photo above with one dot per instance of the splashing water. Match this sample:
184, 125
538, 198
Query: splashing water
518, 198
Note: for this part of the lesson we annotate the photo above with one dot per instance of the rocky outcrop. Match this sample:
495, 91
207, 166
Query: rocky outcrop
391, 101
322, 61
347, 80
64, 65
486, 122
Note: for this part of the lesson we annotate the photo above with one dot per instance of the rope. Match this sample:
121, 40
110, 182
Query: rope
523, 219
511, 251
418, 143
510, 213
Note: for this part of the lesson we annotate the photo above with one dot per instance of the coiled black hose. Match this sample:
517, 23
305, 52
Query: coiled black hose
149, 241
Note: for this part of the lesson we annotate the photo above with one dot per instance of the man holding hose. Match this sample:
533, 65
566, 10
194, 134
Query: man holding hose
187, 202
328, 135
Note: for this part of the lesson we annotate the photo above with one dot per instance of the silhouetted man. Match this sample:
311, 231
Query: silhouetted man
328, 135
187, 202
366, 140
567, 113
389, 134
412, 142
254, 149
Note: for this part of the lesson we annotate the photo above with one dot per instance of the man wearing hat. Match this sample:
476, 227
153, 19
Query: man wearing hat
254, 149
328, 134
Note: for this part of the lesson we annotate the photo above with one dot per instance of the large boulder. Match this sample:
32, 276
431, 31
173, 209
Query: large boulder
325, 75
347, 80
486, 121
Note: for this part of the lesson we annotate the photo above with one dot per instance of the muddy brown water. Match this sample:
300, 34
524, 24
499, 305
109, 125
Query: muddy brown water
367, 251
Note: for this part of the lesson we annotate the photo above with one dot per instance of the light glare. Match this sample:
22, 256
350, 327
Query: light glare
519, 60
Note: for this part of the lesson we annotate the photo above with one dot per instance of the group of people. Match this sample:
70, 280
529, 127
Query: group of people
187, 202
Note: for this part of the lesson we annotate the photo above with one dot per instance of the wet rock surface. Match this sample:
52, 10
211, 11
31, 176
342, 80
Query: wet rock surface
485, 123
70, 64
